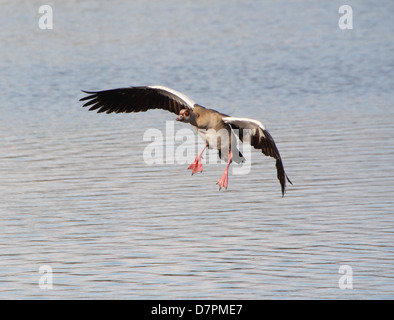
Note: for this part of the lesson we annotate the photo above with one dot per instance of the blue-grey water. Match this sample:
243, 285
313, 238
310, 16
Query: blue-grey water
77, 196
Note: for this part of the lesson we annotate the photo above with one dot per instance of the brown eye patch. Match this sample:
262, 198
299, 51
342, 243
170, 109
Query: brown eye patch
186, 113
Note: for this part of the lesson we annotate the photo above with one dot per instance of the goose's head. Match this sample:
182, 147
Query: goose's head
185, 115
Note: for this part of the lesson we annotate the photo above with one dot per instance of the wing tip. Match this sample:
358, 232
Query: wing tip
89, 92
284, 186
282, 176
91, 95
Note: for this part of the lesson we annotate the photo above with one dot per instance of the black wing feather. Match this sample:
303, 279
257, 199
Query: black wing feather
133, 99
262, 140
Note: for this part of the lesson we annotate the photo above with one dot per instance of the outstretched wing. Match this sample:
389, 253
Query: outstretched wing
260, 139
137, 99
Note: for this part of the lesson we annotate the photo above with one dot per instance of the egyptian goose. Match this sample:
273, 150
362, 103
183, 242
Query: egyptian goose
217, 129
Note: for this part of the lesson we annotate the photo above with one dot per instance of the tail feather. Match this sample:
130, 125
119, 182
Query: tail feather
237, 156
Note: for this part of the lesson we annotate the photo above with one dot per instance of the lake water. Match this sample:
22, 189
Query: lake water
77, 196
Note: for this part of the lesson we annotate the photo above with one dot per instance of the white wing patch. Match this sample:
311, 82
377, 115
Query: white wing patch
244, 123
182, 96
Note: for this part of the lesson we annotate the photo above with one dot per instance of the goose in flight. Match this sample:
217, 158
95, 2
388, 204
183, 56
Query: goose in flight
217, 129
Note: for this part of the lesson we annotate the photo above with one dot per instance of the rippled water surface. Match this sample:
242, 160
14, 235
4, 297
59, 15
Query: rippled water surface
77, 196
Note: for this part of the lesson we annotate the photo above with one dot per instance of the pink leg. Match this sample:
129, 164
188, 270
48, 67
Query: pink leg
196, 166
223, 181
